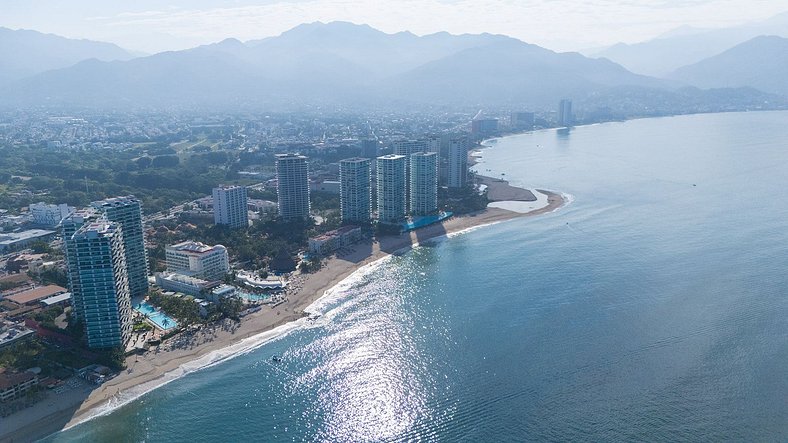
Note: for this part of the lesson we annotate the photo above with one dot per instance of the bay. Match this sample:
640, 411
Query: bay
653, 307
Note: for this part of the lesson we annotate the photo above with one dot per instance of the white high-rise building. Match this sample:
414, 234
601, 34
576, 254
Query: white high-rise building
355, 190
370, 148
565, 115
49, 215
97, 274
127, 211
292, 189
198, 260
391, 188
408, 148
457, 171
433, 143
423, 183
230, 206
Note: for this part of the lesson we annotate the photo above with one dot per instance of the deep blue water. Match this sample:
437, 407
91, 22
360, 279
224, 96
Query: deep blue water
653, 307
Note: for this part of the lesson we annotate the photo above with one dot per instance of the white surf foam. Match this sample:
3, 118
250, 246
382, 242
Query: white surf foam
322, 305
208, 360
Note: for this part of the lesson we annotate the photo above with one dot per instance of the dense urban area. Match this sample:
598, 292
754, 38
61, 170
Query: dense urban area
120, 232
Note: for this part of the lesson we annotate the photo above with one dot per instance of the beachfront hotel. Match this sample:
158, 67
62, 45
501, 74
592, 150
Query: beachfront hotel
292, 188
230, 206
127, 211
355, 190
98, 277
197, 259
457, 171
391, 188
423, 183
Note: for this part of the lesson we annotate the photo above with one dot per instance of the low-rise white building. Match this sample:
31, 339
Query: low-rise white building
251, 279
49, 216
184, 284
198, 260
333, 240
11, 334
264, 206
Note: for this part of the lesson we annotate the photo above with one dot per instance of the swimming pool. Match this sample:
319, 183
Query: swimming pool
426, 220
160, 319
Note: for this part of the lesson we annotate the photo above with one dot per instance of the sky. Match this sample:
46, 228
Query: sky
151, 26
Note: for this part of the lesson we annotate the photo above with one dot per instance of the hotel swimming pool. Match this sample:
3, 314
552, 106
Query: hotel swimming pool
426, 220
160, 319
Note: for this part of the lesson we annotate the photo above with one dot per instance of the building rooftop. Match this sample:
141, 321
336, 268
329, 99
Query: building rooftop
181, 278
94, 228
354, 160
36, 294
12, 237
337, 232
289, 156
56, 299
194, 247
80, 215
9, 380
115, 201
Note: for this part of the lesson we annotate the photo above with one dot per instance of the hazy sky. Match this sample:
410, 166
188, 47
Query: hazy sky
151, 26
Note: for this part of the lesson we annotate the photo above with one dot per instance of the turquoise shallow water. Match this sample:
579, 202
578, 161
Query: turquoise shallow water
162, 320
653, 307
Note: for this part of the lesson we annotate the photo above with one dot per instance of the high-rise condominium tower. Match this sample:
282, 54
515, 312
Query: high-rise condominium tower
457, 173
97, 274
127, 211
230, 206
355, 190
408, 148
565, 116
292, 189
423, 183
391, 188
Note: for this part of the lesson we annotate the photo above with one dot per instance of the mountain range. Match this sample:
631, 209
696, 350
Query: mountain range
761, 63
343, 64
333, 63
24, 53
686, 45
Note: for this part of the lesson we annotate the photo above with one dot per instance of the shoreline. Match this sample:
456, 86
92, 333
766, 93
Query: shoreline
153, 367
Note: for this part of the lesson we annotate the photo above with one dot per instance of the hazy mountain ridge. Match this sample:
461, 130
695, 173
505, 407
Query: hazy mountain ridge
338, 64
514, 72
761, 63
24, 53
684, 46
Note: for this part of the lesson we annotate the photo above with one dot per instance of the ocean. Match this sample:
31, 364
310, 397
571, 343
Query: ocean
653, 307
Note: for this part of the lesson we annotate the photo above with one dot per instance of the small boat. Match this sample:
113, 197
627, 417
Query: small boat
276, 359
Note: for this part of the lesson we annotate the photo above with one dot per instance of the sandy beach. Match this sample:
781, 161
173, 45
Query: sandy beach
149, 369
